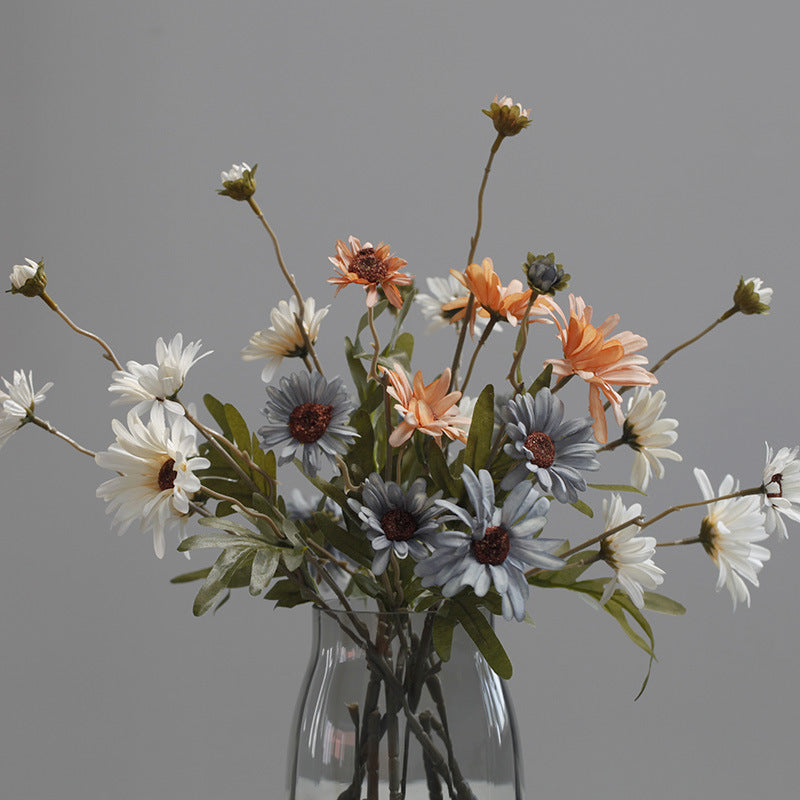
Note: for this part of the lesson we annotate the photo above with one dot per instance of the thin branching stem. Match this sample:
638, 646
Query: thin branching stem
45, 425
93, 336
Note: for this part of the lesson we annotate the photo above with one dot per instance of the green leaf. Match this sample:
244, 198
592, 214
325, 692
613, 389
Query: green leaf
357, 369
565, 576
216, 583
286, 594
188, 577
479, 442
615, 487
367, 585
583, 508
205, 540
265, 563
443, 627
542, 380
440, 472
228, 525
481, 632
662, 605
293, 557
217, 411
328, 489
238, 427
361, 456
394, 339
403, 350
356, 547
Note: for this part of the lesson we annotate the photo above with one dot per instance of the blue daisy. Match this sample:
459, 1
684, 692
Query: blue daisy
549, 447
499, 546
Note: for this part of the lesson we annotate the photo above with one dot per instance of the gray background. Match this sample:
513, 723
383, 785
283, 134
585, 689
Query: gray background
662, 165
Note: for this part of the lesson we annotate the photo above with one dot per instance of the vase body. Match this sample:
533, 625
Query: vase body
380, 718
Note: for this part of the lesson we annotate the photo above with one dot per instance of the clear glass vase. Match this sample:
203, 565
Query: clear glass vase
379, 717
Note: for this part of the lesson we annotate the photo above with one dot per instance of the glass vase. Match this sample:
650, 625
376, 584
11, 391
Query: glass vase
380, 717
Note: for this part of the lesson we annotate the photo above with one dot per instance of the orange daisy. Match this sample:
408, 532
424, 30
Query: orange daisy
430, 409
371, 267
492, 299
599, 361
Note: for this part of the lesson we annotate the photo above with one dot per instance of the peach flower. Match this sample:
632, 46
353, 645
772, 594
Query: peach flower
430, 409
599, 361
371, 267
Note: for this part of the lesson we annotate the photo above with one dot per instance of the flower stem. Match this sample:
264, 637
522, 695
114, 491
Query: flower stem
289, 277
94, 337
695, 504
376, 345
692, 540
473, 246
251, 512
484, 336
45, 425
517, 385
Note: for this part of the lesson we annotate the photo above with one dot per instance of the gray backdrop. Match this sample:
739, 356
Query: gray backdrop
661, 166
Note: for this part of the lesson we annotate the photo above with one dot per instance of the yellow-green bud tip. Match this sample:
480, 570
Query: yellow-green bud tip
509, 118
751, 297
239, 182
28, 279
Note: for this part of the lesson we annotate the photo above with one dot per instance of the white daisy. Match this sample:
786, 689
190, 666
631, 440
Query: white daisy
443, 290
648, 435
727, 534
19, 399
156, 462
283, 338
148, 384
629, 555
22, 273
781, 488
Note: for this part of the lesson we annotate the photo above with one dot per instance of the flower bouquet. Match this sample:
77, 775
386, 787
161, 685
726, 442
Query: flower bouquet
426, 512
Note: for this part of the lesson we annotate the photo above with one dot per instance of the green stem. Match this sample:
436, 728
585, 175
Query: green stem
484, 336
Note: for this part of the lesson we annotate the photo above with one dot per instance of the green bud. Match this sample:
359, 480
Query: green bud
751, 297
28, 279
239, 182
544, 276
509, 118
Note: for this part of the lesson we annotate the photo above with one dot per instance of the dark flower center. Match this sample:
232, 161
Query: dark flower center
398, 525
541, 448
167, 475
368, 266
309, 421
494, 546
777, 478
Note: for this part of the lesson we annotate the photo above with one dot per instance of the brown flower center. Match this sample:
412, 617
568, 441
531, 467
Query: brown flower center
398, 525
309, 421
777, 478
494, 546
541, 448
368, 266
167, 475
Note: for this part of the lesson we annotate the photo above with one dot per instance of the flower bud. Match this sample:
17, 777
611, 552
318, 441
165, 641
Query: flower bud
509, 118
544, 275
239, 182
28, 279
751, 297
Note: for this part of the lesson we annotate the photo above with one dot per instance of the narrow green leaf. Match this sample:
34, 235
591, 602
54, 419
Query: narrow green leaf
293, 557
662, 605
583, 508
205, 540
367, 585
479, 442
481, 632
328, 489
542, 380
286, 594
189, 577
216, 583
615, 487
408, 301
357, 370
265, 563
227, 525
